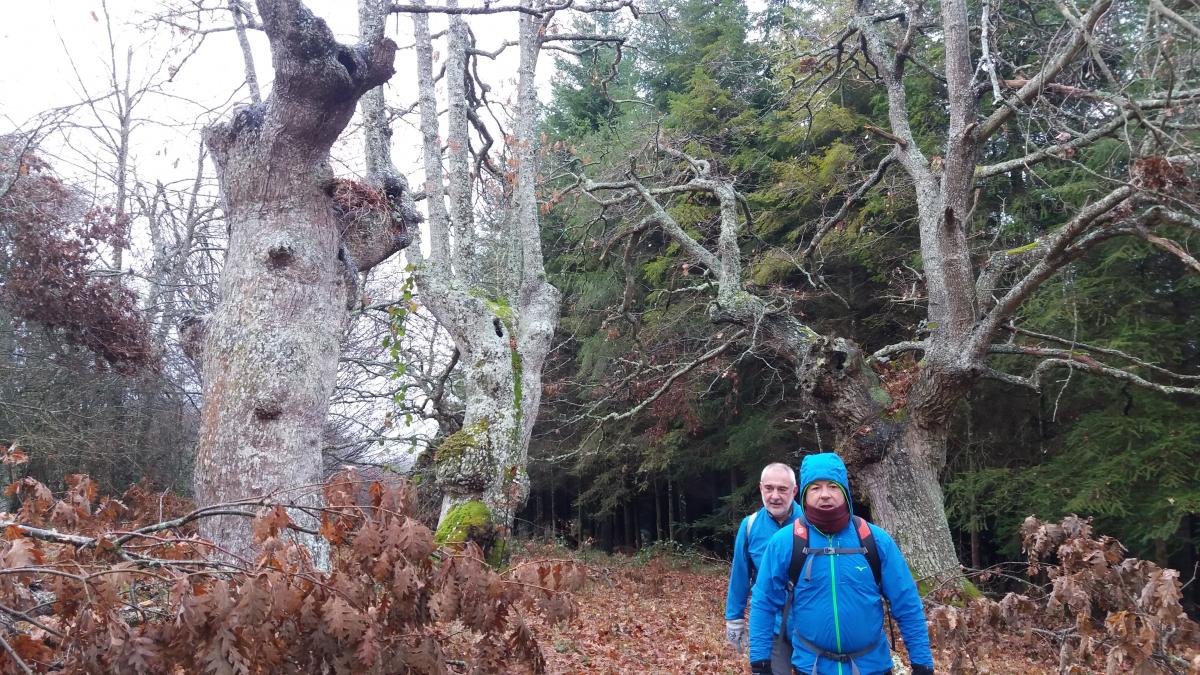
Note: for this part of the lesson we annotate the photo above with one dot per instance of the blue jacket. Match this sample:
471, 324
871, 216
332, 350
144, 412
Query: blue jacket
739, 576
840, 610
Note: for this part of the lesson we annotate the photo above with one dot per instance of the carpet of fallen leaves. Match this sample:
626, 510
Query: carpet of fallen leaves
643, 618
666, 615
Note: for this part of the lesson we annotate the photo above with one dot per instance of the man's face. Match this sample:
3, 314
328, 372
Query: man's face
778, 490
824, 494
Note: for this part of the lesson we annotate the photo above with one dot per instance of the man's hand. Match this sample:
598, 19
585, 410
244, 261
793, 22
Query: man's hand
760, 667
918, 669
735, 635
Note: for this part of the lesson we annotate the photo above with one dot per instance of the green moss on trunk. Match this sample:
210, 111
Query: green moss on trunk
472, 521
497, 556
462, 522
468, 446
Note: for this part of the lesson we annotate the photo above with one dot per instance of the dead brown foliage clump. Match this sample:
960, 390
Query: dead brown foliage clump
101, 593
1098, 612
354, 200
50, 250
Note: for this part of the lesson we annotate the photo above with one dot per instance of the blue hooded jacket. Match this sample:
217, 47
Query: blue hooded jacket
739, 577
840, 610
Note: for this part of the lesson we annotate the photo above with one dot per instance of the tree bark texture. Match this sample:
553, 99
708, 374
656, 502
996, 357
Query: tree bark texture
501, 324
271, 347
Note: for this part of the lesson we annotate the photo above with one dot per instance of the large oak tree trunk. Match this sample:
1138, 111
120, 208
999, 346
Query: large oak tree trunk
895, 450
485, 460
906, 499
271, 354
272, 345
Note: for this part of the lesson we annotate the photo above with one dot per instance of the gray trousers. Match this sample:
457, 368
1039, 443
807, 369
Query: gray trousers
781, 649
781, 656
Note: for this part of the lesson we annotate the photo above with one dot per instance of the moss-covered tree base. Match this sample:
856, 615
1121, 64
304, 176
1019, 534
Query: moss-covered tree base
472, 522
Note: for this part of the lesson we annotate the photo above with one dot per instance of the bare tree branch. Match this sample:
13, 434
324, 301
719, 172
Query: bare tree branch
486, 9
1073, 344
1055, 151
1050, 261
1171, 247
872, 181
987, 62
439, 216
1190, 27
1059, 358
1001, 376
241, 21
671, 379
898, 348
1046, 75
912, 158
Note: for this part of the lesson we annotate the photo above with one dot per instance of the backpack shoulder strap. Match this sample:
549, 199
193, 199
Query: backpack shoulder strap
867, 539
799, 551
746, 542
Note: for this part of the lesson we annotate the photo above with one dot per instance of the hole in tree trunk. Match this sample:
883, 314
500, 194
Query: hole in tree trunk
280, 255
344, 58
839, 359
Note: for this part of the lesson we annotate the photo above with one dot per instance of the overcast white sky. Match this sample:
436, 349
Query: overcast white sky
56, 53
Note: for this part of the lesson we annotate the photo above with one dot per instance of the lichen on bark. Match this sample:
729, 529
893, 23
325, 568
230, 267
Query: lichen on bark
270, 348
459, 458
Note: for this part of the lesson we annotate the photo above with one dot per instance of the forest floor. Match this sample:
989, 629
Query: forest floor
665, 614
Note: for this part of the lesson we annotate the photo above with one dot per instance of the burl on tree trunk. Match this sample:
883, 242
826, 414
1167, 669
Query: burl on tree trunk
270, 349
893, 440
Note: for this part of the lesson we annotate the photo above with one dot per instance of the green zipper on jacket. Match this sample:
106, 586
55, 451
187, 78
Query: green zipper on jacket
837, 626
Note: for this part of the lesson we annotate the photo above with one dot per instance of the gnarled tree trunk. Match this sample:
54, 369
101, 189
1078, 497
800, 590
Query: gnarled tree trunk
501, 315
502, 325
270, 349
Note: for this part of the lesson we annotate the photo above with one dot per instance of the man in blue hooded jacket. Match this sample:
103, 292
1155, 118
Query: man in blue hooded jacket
836, 618
777, 484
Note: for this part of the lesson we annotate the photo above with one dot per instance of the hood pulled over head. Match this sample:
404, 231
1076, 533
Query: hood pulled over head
824, 466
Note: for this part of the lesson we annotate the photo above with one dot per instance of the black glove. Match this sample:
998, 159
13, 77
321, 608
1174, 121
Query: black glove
918, 669
761, 667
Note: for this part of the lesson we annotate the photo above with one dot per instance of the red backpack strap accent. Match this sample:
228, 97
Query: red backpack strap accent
799, 552
864, 530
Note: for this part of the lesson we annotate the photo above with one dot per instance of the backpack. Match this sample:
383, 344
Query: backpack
801, 552
746, 541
